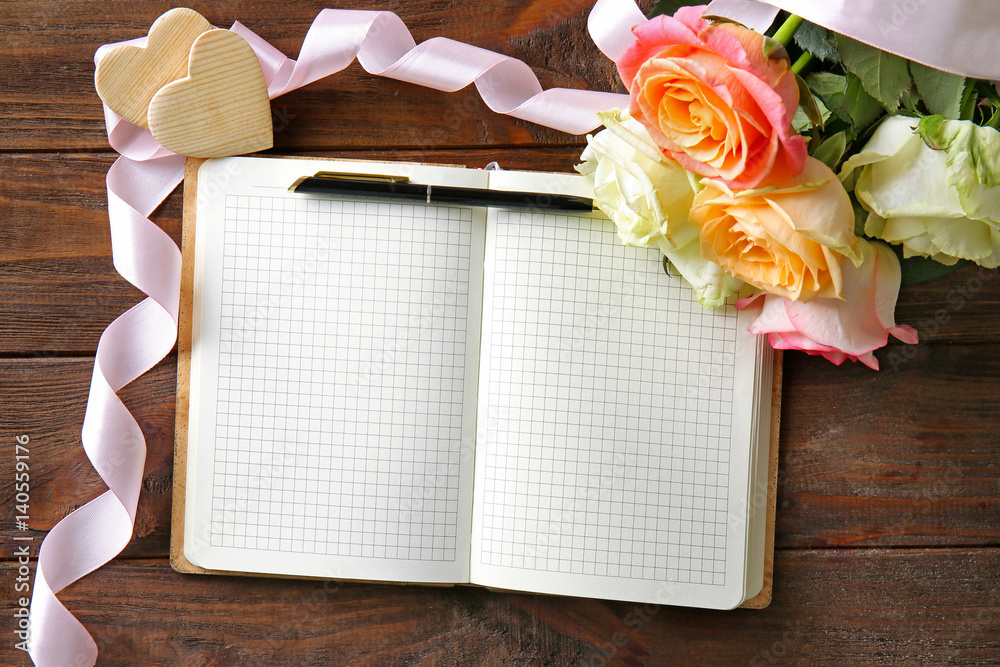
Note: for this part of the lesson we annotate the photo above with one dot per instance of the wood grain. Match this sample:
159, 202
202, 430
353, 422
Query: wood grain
45, 399
909, 458
833, 607
129, 76
906, 456
47, 88
59, 288
220, 108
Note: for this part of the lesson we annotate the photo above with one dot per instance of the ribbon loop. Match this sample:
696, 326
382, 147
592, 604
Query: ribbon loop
383, 46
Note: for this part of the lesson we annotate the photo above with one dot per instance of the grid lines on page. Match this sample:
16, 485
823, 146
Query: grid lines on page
610, 452
341, 372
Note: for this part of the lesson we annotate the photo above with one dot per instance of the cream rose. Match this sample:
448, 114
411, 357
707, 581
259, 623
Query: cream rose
648, 197
930, 201
787, 240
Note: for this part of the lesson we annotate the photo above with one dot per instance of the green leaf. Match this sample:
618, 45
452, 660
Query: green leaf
989, 91
809, 105
969, 102
816, 40
860, 216
885, 76
832, 150
830, 88
941, 91
911, 99
921, 269
994, 120
847, 99
666, 7
990, 112
804, 120
861, 107
826, 83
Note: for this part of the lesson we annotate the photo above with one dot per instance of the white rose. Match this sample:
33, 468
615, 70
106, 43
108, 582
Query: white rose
649, 197
934, 202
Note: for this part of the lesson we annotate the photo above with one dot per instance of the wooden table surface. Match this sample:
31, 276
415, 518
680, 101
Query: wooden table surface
888, 526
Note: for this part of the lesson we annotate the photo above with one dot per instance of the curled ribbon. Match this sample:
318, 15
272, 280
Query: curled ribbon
131, 345
146, 173
384, 47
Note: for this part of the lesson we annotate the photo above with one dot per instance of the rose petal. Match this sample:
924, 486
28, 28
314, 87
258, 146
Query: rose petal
839, 330
650, 38
820, 216
712, 100
966, 238
909, 190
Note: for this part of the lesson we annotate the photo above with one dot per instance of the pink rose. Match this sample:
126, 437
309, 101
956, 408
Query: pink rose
712, 100
840, 329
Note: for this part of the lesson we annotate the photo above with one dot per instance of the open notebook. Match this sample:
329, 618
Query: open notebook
443, 394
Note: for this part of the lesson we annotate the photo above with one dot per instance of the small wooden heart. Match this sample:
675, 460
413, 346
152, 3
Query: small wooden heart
221, 107
128, 76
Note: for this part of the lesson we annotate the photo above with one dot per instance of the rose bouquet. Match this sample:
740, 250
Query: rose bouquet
804, 169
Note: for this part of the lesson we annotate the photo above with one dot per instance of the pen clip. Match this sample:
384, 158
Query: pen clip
347, 176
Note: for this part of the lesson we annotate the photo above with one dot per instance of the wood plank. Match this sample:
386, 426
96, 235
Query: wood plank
958, 308
550, 35
45, 399
891, 607
905, 458
59, 289
58, 286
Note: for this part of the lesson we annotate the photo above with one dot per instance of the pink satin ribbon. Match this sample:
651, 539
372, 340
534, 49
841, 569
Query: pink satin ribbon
139, 181
958, 36
131, 345
384, 47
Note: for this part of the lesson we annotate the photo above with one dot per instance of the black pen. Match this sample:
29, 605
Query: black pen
394, 187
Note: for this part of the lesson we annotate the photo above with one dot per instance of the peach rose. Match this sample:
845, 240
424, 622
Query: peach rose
712, 99
787, 240
841, 329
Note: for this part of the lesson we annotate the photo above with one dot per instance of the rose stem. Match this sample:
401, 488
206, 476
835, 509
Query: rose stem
787, 30
802, 62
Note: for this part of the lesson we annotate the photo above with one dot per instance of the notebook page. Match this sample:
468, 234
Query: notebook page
616, 455
333, 377
760, 457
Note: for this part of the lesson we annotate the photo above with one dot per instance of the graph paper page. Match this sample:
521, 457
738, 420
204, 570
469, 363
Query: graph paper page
333, 377
614, 419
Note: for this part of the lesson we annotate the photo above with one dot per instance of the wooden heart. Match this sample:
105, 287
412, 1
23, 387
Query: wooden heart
221, 107
128, 76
